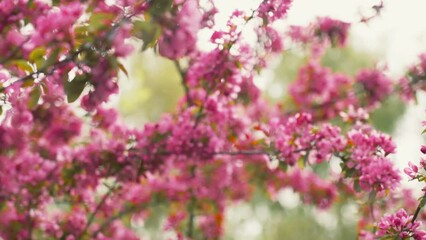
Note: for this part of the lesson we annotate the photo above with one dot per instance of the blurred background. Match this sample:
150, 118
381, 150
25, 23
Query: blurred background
395, 38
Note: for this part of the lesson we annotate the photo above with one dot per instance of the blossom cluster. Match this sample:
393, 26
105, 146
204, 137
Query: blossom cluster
368, 159
400, 225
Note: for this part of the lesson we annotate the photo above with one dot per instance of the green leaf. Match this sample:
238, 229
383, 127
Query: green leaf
283, 166
44, 87
1, 110
28, 83
148, 32
100, 20
81, 35
357, 187
34, 97
372, 197
51, 59
74, 88
422, 202
30, 2
158, 7
158, 137
37, 54
122, 68
23, 65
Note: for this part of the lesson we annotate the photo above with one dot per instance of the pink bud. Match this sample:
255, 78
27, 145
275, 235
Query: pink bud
423, 149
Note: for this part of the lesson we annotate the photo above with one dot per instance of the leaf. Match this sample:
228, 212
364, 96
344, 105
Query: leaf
158, 7
37, 54
23, 65
81, 35
122, 68
81, 31
372, 197
422, 202
148, 32
44, 87
30, 3
100, 20
51, 59
357, 187
28, 82
158, 137
283, 166
74, 88
1, 110
34, 97
301, 163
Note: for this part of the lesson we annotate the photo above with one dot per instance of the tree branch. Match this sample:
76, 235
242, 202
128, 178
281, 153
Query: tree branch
182, 74
98, 207
419, 207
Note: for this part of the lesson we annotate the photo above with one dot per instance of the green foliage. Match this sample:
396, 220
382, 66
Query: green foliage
74, 88
154, 88
299, 223
34, 97
159, 7
148, 32
386, 117
348, 60
37, 54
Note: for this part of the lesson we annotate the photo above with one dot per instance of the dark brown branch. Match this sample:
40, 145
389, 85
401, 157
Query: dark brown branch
44, 70
419, 207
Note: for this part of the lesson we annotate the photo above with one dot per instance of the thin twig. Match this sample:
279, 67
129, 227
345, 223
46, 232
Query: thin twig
191, 207
98, 207
182, 74
122, 213
29, 77
109, 37
419, 207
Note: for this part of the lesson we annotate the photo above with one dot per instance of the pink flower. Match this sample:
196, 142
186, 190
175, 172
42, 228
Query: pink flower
423, 149
379, 175
376, 85
322, 92
405, 89
181, 40
335, 30
272, 10
400, 224
411, 170
122, 49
